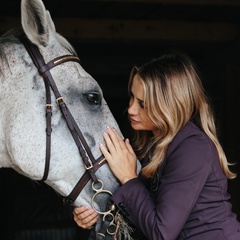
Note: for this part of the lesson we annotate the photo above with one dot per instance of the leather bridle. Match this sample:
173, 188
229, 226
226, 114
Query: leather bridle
91, 164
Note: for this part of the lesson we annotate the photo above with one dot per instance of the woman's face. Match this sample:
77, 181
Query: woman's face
137, 115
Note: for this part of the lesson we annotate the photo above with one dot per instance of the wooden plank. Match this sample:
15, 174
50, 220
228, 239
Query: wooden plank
231, 137
133, 10
154, 30
178, 2
232, 83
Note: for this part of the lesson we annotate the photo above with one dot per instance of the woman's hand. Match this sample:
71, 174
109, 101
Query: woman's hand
85, 217
120, 156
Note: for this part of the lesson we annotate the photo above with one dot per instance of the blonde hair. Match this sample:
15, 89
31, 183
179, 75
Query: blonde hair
174, 95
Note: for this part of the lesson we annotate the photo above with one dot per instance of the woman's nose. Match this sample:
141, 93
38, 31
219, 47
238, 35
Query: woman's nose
132, 109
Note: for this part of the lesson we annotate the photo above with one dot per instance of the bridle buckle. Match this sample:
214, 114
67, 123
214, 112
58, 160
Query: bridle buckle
89, 167
60, 99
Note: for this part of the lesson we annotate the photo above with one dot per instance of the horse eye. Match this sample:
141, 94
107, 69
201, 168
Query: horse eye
93, 98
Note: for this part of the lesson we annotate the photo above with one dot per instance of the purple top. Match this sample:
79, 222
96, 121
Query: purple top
187, 199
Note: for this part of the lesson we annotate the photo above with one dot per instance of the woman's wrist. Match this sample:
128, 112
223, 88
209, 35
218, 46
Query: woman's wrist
126, 179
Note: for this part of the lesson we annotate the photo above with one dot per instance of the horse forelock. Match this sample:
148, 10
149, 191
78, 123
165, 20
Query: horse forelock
65, 44
12, 37
7, 39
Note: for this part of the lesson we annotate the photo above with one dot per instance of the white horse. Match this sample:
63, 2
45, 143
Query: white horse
23, 112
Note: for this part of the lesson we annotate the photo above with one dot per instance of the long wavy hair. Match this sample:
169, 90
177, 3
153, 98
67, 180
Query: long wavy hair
173, 95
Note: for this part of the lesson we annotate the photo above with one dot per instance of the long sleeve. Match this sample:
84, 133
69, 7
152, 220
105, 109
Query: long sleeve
188, 164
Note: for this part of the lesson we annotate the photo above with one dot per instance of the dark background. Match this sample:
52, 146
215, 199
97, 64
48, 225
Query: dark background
110, 37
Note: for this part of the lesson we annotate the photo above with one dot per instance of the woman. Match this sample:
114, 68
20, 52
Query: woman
181, 191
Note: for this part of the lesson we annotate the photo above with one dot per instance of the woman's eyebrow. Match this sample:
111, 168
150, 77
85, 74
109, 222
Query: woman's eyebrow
140, 100
131, 94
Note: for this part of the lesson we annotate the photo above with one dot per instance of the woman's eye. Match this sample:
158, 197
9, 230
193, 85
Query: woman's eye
141, 104
93, 98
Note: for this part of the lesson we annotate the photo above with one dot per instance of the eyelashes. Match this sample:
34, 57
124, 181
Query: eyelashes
141, 104
131, 99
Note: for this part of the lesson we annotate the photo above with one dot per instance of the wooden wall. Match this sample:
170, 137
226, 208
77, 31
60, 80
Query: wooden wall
110, 37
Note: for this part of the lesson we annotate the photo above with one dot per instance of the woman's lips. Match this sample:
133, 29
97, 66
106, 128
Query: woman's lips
133, 121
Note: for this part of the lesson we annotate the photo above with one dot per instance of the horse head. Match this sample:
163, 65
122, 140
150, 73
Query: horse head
23, 111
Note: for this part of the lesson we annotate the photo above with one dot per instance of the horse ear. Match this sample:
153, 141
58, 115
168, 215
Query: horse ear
37, 22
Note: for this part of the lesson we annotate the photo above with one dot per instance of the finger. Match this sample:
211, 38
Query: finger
108, 140
90, 223
83, 211
87, 225
78, 210
84, 214
88, 215
129, 146
117, 134
115, 137
86, 219
104, 151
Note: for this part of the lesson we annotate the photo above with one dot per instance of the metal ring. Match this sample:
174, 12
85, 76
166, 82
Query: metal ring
99, 191
101, 234
109, 227
93, 198
112, 226
101, 188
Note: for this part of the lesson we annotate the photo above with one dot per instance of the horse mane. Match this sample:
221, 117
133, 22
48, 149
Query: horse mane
6, 39
12, 37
